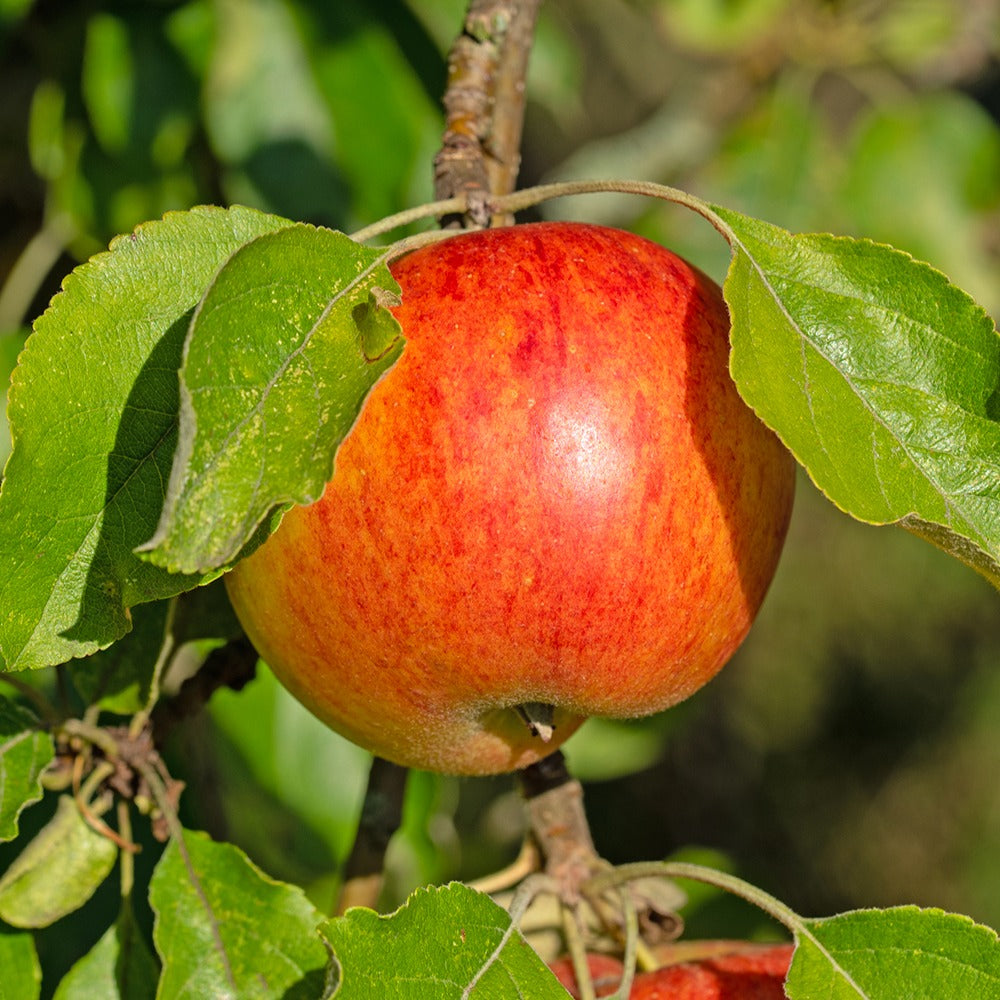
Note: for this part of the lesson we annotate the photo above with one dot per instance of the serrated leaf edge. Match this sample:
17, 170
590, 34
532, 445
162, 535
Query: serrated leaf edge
968, 550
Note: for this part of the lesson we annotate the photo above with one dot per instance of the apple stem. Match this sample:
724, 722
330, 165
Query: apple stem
544, 775
518, 201
558, 823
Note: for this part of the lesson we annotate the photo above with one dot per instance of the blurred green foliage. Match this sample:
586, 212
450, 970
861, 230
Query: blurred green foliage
848, 755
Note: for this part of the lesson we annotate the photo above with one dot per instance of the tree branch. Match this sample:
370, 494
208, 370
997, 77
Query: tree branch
233, 665
381, 816
484, 107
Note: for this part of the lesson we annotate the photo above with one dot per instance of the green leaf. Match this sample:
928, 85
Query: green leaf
119, 967
442, 944
25, 752
889, 954
881, 377
22, 973
108, 83
316, 775
119, 679
282, 351
58, 871
224, 929
93, 410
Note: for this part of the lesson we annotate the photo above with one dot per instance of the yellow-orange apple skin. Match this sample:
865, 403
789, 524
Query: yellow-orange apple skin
555, 496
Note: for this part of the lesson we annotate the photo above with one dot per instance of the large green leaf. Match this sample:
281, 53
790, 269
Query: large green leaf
889, 954
25, 752
442, 944
224, 929
282, 351
119, 967
880, 376
58, 871
22, 973
93, 410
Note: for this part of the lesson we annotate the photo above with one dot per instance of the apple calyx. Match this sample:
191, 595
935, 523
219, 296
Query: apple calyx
539, 717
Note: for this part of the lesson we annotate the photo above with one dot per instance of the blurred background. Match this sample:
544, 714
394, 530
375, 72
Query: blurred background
849, 754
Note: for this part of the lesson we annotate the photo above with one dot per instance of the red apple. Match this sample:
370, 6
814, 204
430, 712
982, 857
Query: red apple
713, 971
555, 498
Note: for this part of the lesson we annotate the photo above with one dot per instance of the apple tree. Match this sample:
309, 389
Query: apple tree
173, 822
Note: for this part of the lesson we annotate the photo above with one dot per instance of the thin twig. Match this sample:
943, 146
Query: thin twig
573, 935
31, 268
127, 870
233, 665
167, 649
632, 942
95, 735
449, 206
527, 862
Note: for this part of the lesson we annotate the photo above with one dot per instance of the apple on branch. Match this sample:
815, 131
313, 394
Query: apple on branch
556, 505
696, 970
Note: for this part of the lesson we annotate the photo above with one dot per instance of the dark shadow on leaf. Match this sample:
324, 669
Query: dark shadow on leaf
138, 471
309, 987
993, 405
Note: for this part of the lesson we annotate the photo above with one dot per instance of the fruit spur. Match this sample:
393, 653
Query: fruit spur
555, 505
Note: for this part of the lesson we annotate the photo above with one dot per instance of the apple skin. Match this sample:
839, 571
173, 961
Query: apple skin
555, 496
716, 970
